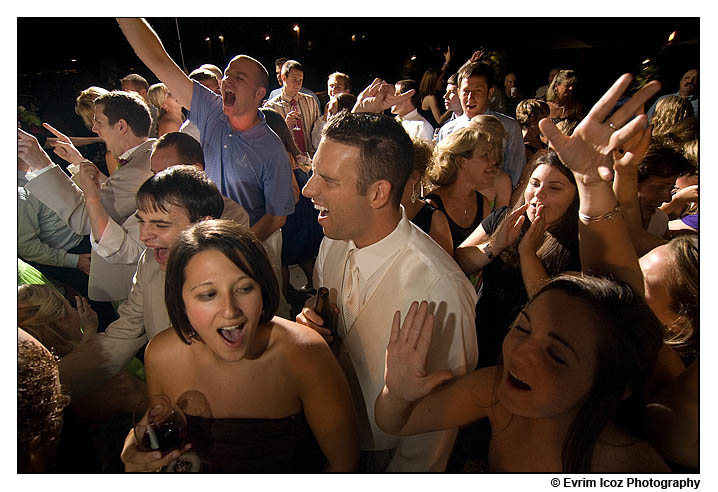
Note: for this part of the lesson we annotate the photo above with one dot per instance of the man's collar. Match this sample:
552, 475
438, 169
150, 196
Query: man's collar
370, 258
285, 97
128, 153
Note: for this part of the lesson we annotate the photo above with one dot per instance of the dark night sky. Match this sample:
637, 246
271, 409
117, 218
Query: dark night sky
598, 48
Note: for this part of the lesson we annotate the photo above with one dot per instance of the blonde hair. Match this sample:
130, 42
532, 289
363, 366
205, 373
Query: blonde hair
669, 111
461, 143
492, 126
40, 312
157, 94
568, 76
85, 104
567, 126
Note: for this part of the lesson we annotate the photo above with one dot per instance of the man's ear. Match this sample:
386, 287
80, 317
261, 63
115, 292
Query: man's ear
122, 126
492, 89
261, 92
380, 193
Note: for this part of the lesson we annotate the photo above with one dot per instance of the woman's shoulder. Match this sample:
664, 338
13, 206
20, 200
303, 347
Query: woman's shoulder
293, 337
165, 350
618, 451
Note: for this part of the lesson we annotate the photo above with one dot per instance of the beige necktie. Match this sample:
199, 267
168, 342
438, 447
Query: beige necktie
350, 292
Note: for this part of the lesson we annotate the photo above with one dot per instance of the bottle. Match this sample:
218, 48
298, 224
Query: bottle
324, 309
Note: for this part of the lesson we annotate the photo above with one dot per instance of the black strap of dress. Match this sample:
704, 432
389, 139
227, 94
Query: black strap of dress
458, 233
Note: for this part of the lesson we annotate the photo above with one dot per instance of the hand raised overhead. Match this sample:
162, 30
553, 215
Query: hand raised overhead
588, 152
379, 96
405, 372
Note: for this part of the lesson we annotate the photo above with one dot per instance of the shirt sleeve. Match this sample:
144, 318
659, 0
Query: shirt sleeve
205, 105
29, 244
277, 184
105, 354
515, 155
492, 220
120, 244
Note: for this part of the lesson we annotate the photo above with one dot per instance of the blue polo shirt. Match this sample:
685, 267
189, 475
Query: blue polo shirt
251, 167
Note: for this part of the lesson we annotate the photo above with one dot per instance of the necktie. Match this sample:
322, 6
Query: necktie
121, 162
350, 292
298, 134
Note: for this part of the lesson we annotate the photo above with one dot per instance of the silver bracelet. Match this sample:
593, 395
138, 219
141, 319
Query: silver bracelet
607, 216
484, 248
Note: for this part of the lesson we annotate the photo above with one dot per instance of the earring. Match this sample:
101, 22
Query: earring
414, 194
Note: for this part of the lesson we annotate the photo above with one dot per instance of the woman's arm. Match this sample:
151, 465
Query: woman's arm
430, 101
327, 402
478, 249
440, 231
625, 187
604, 242
412, 401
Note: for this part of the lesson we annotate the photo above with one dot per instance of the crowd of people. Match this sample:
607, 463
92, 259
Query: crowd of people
513, 279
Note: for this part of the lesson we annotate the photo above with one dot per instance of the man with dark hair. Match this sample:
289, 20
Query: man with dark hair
122, 121
137, 83
375, 262
657, 174
406, 113
475, 86
121, 243
300, 111
242, 155
278, 63
451, 98
167, 204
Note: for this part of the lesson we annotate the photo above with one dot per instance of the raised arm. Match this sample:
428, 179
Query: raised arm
149, 49
604, 242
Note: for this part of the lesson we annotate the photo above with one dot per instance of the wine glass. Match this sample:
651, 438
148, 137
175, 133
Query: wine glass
161, 426
288, 108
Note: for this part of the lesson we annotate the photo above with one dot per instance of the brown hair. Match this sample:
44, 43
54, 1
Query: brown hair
235, 242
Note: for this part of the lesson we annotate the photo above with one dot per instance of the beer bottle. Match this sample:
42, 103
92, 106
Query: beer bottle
324, 309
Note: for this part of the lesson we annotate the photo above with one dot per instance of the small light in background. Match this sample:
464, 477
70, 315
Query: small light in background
207, 39
221, 38
267, 38
73, 60
413, 58
354, 37
672, 36
646, 61
296, 28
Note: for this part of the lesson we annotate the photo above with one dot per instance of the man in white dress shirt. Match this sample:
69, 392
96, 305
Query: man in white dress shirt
406, 113
375, 262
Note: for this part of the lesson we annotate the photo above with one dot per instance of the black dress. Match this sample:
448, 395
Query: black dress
503, 296
245, 445
422, 219
458, 233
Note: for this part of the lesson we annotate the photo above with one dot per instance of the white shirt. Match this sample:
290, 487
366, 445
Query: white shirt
416, 125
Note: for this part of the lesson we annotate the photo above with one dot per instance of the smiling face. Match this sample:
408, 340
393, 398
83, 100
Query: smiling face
241, 92
159, 230
334, 190
474, 94
549, 357
480, 169
293, 82
653, 191
549, 187
223, 304
564, 89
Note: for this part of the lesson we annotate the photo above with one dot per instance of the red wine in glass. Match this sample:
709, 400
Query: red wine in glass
159, 425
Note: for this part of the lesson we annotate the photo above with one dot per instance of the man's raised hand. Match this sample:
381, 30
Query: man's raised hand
63, 146
379, 96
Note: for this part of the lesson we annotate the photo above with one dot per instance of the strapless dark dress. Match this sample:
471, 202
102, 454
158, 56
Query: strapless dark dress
245, 445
